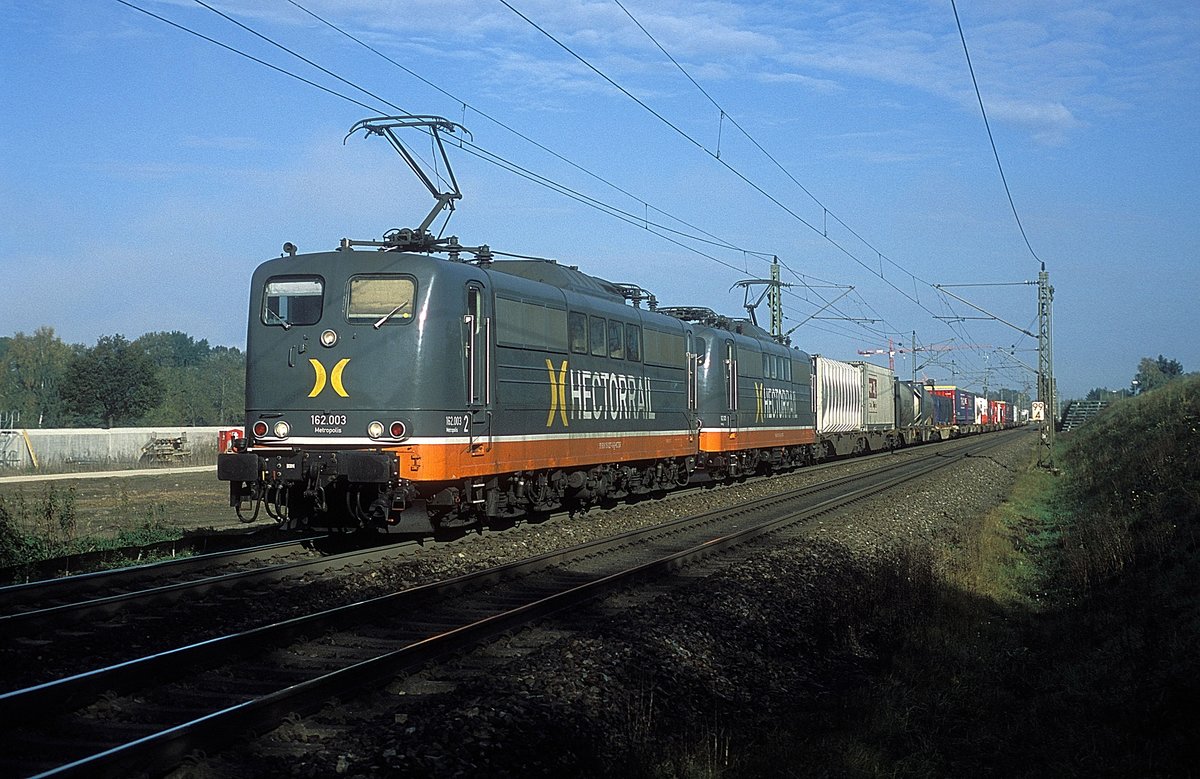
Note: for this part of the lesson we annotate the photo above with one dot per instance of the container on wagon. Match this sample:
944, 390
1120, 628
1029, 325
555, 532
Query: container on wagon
943, 405
839, 396
963, 400
879, 408
914, 404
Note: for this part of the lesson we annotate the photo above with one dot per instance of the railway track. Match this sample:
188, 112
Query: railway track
202, 695
107, 610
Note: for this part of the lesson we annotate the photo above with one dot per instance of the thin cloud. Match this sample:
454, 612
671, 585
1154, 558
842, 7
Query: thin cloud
1041, 117
822, 85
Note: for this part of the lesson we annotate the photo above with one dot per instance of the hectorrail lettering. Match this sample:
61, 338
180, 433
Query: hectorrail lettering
597, 395
774, 403
600, 395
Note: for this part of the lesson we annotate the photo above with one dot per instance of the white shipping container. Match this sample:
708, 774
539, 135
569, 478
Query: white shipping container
839, 389
981, 410
879, 411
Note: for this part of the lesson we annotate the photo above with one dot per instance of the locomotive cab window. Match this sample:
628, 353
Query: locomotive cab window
380, 300
293, 300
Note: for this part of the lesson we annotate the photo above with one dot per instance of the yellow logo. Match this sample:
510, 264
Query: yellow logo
334, 378
558, 392
758, 402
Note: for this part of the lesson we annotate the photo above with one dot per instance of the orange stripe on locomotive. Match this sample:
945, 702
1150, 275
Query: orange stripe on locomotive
437, 461
729, 440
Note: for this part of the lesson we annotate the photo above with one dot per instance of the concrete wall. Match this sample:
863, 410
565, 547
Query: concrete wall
84, 449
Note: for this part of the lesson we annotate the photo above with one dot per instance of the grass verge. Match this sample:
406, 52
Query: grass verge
43, 525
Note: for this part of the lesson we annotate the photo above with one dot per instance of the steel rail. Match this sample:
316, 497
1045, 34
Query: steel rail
27, 622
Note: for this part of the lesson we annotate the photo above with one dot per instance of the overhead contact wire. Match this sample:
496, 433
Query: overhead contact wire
250, 57
479, 151
701, 146
991, 139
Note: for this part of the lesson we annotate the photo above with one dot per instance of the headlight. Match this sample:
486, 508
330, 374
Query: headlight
282, 429
260, 429
397, 429
375, 430
329, 338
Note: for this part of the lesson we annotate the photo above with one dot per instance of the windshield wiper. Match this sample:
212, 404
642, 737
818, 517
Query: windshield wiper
389, 315
286, 324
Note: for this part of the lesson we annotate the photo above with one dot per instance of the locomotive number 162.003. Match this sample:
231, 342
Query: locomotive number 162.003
328, 420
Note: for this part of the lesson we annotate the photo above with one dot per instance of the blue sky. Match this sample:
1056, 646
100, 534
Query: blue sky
145, 172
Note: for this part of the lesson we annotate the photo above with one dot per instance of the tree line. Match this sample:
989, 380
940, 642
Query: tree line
1152, 373
159, 378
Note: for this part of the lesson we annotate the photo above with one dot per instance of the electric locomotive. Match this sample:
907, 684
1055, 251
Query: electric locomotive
401, 389
754, 397
398, 388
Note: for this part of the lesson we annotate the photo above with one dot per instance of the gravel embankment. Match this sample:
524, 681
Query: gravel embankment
682, 676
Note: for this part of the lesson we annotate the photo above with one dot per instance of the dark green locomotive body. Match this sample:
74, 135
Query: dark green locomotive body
399, 388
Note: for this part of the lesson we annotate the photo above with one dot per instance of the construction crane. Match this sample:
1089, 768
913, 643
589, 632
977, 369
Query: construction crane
891, 351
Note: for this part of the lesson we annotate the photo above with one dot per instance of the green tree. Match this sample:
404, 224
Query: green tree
111, 383
1154, 373
174, 349
211, 392
32, 369
227, 385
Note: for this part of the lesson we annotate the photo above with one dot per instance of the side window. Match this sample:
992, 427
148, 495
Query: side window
293, 300
596, 337
616, 344
767, 366
787, 369
577, 332
531, 325
633, 343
